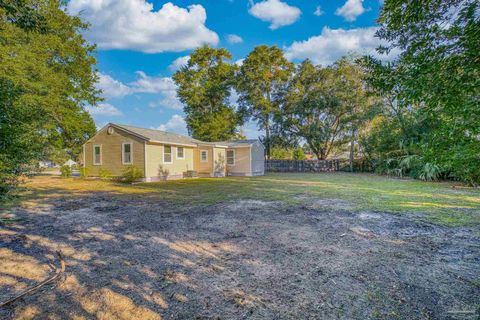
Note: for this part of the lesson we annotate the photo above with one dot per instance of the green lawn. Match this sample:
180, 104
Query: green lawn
442, 203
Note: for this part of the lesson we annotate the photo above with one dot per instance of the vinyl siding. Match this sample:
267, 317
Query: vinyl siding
112, 152
203, 167
219, 164
242, 164
258, 159
175, 169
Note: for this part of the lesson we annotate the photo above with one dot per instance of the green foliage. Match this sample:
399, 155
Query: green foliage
298, 154
323, 106
433, 88
66, 171
84, 172
131, 174
413, 166
278, 153
204, 87
104, 173
46, 78
261, 85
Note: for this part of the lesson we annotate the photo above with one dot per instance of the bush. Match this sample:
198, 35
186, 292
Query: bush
413, 166
66, 171
298, 154
84, 172
104, 174
131, 174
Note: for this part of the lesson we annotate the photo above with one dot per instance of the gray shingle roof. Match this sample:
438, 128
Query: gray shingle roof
173, 138
158, 135
237, 143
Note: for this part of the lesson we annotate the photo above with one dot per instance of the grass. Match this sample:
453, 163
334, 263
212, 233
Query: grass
442, 203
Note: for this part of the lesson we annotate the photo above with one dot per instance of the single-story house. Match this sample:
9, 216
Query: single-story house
164, 155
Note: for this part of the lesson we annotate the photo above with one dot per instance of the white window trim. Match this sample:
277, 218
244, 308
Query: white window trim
176, 153
131, 153
101, 156
226, 157
171, 153
206, 158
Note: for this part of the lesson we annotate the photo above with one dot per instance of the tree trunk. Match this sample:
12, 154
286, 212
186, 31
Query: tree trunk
267, 136
352, 150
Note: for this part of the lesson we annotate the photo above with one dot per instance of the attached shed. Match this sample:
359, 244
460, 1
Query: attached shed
245, 158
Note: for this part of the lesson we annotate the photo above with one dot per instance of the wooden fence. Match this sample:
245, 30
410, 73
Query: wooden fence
302, 165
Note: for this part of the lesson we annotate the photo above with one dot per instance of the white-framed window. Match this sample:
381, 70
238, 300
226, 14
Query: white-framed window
127, 153
230, 157
97, 154
203, 155
167, 154
180, 153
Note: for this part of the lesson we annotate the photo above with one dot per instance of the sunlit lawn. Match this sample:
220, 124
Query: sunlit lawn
437, 202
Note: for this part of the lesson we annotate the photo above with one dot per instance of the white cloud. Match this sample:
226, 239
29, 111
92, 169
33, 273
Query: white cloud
134, 25
318, 11
110, 87
332, 44
161, 85
147, 84
233, 39
103, 109
175, 124
276, 12
239, 62
178, 63
351, 10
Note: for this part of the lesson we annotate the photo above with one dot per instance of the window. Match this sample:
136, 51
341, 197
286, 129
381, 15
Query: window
231, 157
97, 154
167, 154
180, 154
203, 155
127, 153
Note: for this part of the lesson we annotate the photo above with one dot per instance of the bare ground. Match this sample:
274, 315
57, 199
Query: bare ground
139, 259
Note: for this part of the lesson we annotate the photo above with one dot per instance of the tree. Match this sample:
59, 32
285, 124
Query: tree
204, 87
298, 154
351, 92
263, 78
436, 78
312, 109
46, 79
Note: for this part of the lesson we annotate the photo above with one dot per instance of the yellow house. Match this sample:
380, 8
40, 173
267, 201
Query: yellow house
163, 155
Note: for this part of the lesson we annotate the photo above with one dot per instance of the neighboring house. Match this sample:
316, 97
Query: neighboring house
70, 163
164, 155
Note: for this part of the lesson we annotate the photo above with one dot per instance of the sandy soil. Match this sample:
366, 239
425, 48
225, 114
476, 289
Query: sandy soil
138, 259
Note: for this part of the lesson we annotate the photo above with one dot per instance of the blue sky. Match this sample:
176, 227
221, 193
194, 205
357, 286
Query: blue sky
142, 42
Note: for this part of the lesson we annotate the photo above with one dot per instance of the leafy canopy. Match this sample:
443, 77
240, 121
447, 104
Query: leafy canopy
46, 79
262, 82
204, 87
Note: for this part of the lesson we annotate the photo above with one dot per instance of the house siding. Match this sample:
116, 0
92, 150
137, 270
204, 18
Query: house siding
175, 169
242, 164
219, 164
203, 168
258, 159
112, 152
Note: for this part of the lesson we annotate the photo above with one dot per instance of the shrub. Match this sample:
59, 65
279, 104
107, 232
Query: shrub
66, 171
298, 154
104, 174
131, 174
84, 172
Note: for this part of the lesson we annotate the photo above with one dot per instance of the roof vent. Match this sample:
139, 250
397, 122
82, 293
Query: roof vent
110, 130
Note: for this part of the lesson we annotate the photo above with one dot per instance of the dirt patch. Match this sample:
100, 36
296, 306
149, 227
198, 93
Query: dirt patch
146, 259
